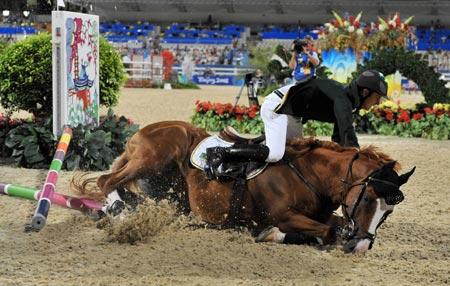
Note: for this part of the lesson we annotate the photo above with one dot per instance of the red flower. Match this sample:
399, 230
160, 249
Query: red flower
403, 117
428, 110
334, 23
351, 19
219, 108
239, 117
206, 106
130, 121
252, 114
229, 107
389, 115
239, 110
439, 112
417, 116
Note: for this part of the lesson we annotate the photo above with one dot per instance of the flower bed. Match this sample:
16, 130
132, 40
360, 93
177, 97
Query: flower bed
216, 116
423, 121
388, 118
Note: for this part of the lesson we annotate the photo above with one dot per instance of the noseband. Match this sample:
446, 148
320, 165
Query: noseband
352, 227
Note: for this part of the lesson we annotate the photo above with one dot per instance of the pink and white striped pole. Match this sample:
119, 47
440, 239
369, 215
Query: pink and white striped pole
45, 201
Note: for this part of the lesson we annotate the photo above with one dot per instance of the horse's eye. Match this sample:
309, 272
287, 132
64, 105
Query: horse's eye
366, 199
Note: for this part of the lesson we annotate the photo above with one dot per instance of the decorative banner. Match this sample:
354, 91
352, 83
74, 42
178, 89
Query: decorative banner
394, 82
75, 38
343, 64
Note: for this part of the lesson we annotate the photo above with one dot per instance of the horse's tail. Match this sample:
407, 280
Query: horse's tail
85, 185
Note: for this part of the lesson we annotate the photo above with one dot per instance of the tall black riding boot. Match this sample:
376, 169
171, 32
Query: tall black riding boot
216, 156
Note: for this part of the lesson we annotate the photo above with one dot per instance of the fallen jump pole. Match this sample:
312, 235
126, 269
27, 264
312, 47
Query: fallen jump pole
45, 200
79, 204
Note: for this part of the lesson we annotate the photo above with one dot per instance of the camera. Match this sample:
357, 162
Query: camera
299, 45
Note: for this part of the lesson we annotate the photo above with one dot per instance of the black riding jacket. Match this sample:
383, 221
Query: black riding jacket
328, 101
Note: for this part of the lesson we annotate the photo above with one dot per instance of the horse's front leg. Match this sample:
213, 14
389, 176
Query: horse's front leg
336, 222
297, 228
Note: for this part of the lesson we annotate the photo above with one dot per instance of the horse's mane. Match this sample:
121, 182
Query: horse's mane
301, 146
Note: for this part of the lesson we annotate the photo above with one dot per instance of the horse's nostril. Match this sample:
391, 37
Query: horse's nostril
350, 245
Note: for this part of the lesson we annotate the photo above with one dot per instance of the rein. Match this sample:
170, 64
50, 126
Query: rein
299, 174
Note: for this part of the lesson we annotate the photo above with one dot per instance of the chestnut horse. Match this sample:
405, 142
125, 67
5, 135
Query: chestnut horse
299, 198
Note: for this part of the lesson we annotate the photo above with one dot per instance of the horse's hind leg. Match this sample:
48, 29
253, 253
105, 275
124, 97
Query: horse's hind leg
120, 177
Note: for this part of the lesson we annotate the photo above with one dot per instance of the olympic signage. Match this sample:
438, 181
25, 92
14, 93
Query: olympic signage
213, 80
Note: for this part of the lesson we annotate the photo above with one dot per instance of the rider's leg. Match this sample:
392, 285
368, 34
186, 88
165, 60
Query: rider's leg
216, 156
275, 127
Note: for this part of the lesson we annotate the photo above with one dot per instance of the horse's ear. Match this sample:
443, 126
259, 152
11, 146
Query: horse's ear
405, 177
390, 165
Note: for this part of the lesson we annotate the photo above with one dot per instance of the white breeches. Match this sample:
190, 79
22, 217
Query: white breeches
278, 127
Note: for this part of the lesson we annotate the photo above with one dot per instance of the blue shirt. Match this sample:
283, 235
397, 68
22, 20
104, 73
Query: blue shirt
304, 69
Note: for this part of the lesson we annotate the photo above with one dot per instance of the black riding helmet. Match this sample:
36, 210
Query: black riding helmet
374, 81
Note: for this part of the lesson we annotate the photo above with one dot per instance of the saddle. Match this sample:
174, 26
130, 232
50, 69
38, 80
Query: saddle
226, 138
230, 134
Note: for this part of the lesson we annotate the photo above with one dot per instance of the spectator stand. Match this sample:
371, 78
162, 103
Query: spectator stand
16, 33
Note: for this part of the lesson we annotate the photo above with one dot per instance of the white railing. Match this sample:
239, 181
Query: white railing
147, 70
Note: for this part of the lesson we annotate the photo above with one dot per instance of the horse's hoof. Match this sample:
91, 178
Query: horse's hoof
269, 234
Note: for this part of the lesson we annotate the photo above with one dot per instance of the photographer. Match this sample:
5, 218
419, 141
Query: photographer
304, 60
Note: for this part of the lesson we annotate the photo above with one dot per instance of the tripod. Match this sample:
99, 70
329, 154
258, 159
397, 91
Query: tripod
253, 84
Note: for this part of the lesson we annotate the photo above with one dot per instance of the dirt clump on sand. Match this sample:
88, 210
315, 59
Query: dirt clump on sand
138, 225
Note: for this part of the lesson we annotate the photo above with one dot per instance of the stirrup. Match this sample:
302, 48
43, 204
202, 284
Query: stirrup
209, 171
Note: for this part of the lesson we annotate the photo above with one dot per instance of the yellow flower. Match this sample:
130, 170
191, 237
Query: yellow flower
389, 104
363, 112
438, 106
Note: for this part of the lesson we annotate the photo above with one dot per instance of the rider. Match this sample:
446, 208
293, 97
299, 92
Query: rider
318, 99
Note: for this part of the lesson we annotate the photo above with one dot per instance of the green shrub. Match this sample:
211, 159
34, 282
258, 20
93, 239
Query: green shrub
32, 144
180, 85
95, 148
26, 75
112, 74
3, 46
6, 125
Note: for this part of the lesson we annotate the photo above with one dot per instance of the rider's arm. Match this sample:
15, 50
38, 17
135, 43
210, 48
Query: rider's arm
344, 121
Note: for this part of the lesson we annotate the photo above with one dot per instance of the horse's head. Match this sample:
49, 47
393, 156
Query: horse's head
367, 204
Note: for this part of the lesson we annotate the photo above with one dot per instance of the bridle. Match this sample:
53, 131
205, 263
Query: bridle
352, 227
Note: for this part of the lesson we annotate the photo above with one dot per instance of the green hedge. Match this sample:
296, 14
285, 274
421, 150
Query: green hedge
411, 66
